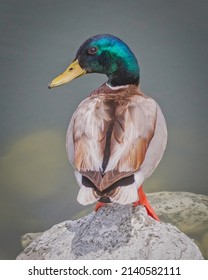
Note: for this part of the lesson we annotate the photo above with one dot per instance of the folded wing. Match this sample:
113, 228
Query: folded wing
108, 137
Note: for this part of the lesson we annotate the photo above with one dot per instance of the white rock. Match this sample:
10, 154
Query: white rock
114, 232
187, 211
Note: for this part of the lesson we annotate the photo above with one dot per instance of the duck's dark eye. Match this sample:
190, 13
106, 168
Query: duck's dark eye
92, 50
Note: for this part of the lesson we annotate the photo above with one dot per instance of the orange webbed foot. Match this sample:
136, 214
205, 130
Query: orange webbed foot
143, 201
99, 205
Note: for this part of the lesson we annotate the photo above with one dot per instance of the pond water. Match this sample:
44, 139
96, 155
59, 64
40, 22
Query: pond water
38, 40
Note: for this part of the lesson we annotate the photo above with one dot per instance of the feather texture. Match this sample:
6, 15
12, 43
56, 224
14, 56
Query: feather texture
113, 134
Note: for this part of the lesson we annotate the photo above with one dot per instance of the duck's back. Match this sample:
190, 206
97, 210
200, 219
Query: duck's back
109, 136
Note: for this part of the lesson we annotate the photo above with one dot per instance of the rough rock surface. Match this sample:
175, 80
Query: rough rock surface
114, 232
187, 211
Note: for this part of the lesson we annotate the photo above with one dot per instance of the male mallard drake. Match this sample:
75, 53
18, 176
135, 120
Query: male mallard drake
117, 135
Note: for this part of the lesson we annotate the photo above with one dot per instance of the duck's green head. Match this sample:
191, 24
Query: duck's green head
105, 54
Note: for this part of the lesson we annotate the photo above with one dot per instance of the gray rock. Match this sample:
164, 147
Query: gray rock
114, 232
27, 238
187, 211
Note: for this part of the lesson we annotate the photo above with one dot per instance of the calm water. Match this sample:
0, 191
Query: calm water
38, 40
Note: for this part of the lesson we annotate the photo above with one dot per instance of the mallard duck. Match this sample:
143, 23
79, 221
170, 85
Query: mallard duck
117, 135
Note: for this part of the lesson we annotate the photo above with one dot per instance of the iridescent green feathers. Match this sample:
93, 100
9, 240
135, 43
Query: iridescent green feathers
109, 55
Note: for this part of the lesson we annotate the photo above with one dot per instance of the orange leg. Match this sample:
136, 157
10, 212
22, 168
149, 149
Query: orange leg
99, 205
143, 201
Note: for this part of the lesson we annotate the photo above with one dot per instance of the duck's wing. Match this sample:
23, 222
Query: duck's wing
156, 146
107, 140
86, 133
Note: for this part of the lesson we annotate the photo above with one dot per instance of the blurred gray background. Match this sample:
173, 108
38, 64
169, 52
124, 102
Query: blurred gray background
38, 41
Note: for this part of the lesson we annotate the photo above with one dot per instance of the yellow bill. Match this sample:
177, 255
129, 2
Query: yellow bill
73, 71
